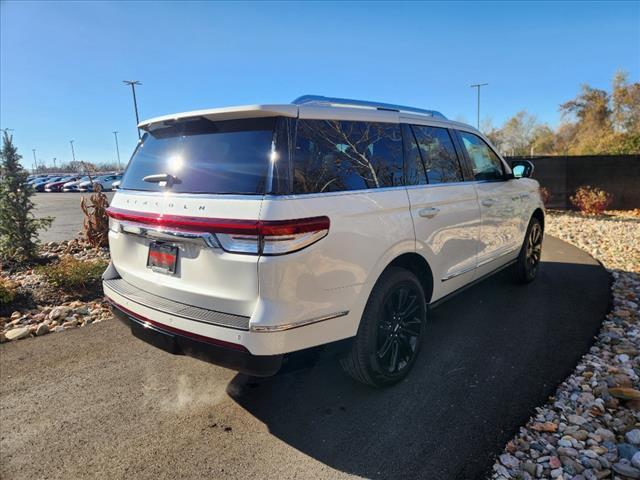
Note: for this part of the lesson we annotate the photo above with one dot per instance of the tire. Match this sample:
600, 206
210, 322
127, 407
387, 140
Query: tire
390, 332
526, 267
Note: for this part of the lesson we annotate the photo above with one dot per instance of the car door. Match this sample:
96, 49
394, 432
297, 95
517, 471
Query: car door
444, 209
499, 202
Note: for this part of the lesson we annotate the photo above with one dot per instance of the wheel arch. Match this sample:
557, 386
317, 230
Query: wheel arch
417, 265
539, 214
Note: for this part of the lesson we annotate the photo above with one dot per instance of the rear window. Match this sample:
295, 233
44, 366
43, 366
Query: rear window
205, 156
334, 156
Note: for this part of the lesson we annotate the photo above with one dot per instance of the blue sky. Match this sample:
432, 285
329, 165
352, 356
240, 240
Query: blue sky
62, 63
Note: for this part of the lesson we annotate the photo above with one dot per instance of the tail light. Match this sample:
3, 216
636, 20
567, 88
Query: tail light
257, 237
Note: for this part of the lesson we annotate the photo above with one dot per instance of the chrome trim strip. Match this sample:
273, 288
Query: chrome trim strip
489, 260
203, 239
457, 274
480, 264
289, 326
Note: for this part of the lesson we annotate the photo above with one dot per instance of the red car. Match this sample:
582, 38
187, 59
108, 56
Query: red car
57, 185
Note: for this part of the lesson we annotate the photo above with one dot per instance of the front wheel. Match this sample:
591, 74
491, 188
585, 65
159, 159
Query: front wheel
527, 265
390, 331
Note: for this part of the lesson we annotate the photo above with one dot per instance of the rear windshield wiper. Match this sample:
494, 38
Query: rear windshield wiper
162, 179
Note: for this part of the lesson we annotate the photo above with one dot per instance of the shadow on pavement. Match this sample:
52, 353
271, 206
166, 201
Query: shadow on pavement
492, 354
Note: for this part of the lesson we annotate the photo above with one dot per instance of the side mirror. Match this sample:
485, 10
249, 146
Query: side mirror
522, 168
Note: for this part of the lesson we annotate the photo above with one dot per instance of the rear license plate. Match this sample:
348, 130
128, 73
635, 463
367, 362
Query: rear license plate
162, 258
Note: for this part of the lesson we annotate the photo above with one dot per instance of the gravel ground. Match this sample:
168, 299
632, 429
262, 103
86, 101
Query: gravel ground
590, 427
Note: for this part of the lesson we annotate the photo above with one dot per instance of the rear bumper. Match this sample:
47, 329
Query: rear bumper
179, 342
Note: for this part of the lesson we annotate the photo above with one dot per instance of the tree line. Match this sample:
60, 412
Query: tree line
594, 122
79, 166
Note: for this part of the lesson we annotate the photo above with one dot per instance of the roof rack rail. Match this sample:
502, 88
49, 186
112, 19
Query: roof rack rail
319, 100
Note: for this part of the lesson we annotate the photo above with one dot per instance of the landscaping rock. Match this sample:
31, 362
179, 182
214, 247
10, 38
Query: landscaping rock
17, 333
42, 329
633, 436
59, 312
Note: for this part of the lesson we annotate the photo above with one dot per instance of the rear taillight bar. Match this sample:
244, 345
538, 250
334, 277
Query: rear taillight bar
266, 237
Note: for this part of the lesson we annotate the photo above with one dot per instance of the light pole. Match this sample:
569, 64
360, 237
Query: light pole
34, 157
133, 84
73, 153
478, 86
54, 163
115, 134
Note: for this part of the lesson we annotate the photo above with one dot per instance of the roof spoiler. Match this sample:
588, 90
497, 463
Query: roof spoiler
321, 101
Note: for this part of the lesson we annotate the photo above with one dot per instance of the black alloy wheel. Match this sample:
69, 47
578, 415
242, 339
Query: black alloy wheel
528, 263
390, 332
400, 328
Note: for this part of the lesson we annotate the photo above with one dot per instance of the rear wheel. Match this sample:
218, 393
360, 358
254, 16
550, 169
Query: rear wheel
527, 265
390, 332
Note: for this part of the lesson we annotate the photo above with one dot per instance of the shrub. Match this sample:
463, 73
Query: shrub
545, 194
7, 291
591, 200
18, 227
69, 273
96, 221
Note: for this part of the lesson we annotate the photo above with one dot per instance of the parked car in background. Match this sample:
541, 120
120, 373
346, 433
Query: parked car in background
72, 186
56, 185
39, 178
116, 185
105, 181
326, 220
40, 186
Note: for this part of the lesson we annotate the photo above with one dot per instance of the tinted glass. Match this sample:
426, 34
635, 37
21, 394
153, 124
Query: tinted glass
485, 163
438, 154
413, 161
333, 155
205, 156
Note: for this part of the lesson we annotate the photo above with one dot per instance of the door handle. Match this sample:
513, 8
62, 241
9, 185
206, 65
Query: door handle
428, 212
517, 197
488, 202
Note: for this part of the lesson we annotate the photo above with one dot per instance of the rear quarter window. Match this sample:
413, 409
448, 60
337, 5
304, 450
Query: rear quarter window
334, 156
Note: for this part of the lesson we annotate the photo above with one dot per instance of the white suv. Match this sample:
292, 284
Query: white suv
242, 235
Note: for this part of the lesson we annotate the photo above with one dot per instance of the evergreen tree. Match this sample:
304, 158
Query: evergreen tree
18, 226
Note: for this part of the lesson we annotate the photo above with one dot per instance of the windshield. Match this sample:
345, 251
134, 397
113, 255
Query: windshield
204, 156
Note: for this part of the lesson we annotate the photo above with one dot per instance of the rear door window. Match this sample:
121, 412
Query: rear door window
485, 163
205, 156
333, 156
438, 154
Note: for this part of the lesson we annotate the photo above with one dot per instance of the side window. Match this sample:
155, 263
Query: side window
485, 163
334, 155
438, 154
412, 159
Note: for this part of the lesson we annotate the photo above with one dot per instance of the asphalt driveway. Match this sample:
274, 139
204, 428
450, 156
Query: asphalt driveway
97, 403
65, 209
